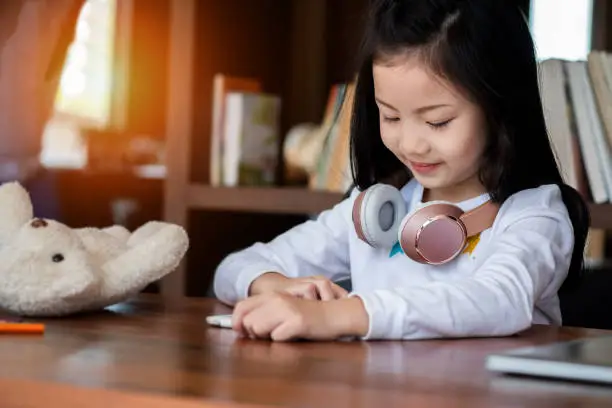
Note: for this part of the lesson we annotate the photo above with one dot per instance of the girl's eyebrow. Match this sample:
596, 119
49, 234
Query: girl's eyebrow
428, 108
388, 105
420, 110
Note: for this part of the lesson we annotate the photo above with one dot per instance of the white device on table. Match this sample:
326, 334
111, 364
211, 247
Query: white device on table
587, 359
223, 321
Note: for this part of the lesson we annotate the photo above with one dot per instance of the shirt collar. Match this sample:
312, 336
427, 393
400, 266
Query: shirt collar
413, 196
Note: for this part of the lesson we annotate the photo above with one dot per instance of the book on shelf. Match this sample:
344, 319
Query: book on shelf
305, 144
576, 96
577, 101
222, 85
330, 170
251, 133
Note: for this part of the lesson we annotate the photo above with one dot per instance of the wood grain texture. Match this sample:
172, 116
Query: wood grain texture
31, 394
275, 200
601, 216
152, 351
179, 123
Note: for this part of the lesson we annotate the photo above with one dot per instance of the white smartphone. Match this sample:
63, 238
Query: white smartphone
222, 321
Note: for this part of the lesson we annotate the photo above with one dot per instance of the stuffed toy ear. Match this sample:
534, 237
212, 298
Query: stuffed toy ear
16, 210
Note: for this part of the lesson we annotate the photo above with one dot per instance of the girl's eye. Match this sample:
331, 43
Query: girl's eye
390, 119
439, 125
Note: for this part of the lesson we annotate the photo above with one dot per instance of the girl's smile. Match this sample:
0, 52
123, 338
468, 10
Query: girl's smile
424, 168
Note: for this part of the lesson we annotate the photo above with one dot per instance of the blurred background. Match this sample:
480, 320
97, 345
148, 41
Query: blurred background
230, 117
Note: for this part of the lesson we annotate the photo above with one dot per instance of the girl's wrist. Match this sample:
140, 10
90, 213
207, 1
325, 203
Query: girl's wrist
267, 282
348, 316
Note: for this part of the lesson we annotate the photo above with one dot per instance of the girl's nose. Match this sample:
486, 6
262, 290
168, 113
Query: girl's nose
413, 145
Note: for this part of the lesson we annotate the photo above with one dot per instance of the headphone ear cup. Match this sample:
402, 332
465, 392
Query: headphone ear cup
433, 233
377, 215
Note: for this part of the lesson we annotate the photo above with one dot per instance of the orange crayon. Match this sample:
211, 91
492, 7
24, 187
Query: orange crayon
21, 328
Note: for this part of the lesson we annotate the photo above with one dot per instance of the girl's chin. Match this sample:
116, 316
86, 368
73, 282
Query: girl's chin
448, 189
433, 183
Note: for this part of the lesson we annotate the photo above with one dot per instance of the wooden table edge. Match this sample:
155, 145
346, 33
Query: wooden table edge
29, 393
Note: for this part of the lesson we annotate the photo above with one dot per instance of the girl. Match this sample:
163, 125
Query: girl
447, 97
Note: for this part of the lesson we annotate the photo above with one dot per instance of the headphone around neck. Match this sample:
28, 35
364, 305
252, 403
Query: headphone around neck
434, 233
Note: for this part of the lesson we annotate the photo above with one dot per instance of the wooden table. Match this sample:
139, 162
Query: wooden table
147, 353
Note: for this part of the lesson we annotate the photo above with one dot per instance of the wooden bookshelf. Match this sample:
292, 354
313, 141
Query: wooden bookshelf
297, 49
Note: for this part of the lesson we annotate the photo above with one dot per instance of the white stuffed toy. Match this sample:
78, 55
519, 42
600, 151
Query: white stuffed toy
50, 269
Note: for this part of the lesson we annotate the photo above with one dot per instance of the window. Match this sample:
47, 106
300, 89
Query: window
85, 85
83, 98
561, 29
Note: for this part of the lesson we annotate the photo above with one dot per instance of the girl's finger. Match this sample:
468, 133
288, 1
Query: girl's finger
324, 287
305, 290
262, 321
242, 309
339, 291
285, 331
335, 291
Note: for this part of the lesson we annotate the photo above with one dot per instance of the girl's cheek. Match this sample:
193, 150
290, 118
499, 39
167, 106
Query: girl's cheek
386, 137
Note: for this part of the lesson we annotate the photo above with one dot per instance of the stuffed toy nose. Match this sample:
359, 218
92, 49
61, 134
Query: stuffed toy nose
38, 223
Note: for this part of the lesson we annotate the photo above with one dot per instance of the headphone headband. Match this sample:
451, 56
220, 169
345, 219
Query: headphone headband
480, 218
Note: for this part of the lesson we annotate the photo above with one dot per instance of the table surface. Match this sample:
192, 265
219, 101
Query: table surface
152, 352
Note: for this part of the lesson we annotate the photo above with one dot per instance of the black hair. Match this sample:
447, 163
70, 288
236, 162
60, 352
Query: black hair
485, 48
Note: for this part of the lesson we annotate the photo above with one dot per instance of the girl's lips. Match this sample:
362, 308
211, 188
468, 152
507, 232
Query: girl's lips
424, 167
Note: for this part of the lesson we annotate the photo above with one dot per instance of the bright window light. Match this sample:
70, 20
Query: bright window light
561, 29
85, 86
83, 98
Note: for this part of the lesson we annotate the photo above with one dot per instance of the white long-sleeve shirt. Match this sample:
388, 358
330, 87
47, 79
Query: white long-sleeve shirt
506, 283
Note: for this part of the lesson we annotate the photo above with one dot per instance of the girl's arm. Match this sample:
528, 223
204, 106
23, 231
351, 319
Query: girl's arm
529, 255
316, 247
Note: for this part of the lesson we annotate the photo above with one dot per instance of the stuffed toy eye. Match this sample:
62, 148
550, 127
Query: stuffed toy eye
57, 258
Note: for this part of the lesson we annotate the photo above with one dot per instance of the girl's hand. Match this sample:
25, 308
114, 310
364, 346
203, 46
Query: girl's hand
281, 316
312, 287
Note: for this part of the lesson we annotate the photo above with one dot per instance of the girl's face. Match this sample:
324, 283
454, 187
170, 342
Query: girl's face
436, 132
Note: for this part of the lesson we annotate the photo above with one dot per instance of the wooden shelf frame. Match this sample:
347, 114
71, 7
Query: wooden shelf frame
179, 127
601, 216
290, 200
276, 200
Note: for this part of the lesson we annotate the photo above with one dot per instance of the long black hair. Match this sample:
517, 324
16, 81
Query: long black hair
485, 48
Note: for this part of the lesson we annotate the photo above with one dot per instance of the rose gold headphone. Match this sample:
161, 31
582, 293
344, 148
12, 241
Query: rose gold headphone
434, 233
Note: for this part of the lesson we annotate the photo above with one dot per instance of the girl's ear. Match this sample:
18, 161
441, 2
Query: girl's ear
15, 210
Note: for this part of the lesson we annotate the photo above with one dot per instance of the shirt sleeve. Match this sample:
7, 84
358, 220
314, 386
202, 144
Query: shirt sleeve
315, 247
530, 252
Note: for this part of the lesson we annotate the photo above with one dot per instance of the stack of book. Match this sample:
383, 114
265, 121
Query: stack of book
245, 133
577, 99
